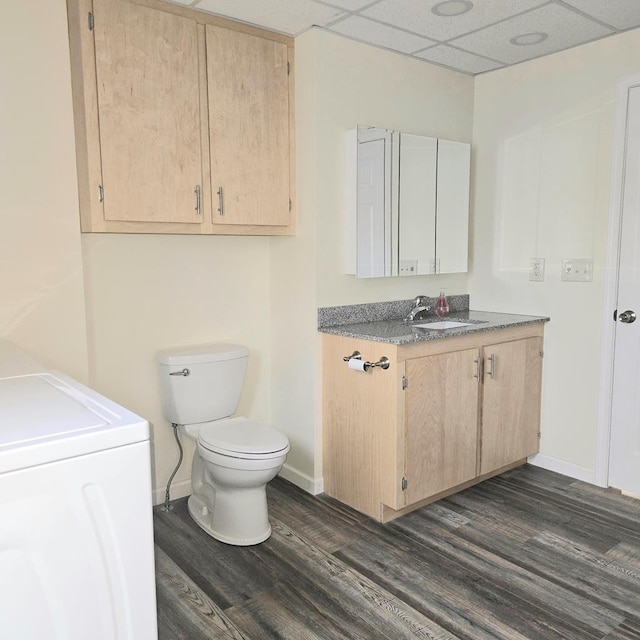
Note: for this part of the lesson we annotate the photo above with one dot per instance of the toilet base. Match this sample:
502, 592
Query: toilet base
227, 525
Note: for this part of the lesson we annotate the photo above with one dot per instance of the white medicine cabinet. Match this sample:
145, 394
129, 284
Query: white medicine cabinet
407, 204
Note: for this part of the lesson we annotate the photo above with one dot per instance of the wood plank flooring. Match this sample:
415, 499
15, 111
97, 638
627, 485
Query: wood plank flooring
524, 556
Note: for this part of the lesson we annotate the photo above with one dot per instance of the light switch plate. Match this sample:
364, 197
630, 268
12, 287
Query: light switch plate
577, 270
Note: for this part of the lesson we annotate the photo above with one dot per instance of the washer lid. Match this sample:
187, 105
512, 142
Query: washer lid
198, 353
46, 417
242, 436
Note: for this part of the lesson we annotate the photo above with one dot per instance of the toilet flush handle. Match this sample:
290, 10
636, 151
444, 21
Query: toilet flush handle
184, 372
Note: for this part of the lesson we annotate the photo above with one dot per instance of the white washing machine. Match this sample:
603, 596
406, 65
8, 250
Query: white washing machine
76, 537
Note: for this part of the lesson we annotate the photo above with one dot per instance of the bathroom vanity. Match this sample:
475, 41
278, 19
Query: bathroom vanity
454, 407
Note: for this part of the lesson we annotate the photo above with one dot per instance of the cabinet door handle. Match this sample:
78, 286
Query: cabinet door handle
198, 199
492, 365
220, 201
476, 375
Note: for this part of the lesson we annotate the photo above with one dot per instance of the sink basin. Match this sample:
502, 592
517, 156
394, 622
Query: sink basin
443, 324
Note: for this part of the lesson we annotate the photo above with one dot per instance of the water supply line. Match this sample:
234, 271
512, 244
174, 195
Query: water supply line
167, 495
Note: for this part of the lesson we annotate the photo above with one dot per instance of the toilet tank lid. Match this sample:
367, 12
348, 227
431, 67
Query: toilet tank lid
198, 353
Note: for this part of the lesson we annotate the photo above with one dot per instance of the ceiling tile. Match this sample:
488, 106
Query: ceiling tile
457, 59
416, 15
564, 27
381, 35
279, 15
621, 14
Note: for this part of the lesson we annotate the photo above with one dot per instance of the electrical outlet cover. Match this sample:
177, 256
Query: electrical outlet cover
536, 269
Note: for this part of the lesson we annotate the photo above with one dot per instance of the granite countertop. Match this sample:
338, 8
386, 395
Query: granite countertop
396, 331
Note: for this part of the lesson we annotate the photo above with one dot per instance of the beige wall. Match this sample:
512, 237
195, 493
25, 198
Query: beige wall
359, 84
148, 292
41, 288
542, 157
339, 84
542, 148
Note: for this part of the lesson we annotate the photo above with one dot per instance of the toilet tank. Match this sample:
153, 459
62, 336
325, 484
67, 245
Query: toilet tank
201, 382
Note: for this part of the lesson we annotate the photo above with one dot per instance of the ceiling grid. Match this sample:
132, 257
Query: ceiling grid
471, 36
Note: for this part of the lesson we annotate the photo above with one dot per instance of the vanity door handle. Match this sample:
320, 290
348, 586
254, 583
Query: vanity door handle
478, 364
492, 365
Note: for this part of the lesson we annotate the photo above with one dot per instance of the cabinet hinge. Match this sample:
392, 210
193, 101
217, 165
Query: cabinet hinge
90, 20
288, 68
539, 434
541, 354
405, 382
404, 483
290, 205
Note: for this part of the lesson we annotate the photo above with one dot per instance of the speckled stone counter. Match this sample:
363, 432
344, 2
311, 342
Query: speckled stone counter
396, 331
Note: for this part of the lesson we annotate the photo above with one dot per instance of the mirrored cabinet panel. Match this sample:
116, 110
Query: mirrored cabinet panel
407, 204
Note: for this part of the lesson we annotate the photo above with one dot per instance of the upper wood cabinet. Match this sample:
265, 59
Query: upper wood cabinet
248, 88
184, 121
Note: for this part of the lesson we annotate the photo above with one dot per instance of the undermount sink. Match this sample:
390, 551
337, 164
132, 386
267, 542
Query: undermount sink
443, 324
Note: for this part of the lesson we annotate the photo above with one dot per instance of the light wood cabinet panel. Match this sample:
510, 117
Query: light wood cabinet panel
357, 405
511, 402
147, 96
148, 108
441, 409
432, 423
248, 85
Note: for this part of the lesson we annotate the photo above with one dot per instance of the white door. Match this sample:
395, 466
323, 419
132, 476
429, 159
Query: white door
624, 454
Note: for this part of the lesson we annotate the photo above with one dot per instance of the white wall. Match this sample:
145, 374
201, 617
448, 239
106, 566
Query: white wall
41, 288
149, 292
542, 156
142, 292
339, 84
542, 148
359, 84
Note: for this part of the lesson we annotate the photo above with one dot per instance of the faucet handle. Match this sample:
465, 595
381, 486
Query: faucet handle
420, 301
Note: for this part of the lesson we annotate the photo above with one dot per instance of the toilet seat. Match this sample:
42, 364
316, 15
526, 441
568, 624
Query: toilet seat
242, 438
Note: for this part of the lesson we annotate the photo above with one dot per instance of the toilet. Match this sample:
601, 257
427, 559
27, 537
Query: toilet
235, 458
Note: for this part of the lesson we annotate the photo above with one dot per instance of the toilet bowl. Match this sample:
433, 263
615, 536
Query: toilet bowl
235, 457
229, 482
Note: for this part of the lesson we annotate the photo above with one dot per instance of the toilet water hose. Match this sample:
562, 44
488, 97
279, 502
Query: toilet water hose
167, 495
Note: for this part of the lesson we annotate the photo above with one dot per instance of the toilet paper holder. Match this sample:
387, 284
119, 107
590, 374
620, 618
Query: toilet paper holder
383, 363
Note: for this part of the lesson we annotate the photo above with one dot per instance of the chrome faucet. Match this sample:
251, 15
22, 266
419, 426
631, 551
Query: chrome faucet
419, 306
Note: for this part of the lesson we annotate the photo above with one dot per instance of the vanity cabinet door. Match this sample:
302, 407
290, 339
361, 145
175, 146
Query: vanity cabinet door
511, 402
441, 415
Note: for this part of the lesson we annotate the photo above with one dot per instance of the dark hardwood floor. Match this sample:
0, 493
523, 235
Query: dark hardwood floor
529, 554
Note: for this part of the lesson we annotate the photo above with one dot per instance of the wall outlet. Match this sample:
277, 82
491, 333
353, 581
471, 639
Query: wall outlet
408, 267
577, 270
536, 269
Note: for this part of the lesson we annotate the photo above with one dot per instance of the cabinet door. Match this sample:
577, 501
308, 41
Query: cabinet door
441, 409
511, 402
149, 117
248, 88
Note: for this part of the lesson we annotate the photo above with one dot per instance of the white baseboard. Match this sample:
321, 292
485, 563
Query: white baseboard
314, 486
562, 466
178, 490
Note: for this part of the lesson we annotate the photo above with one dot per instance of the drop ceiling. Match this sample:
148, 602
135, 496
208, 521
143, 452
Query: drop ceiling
472, 36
